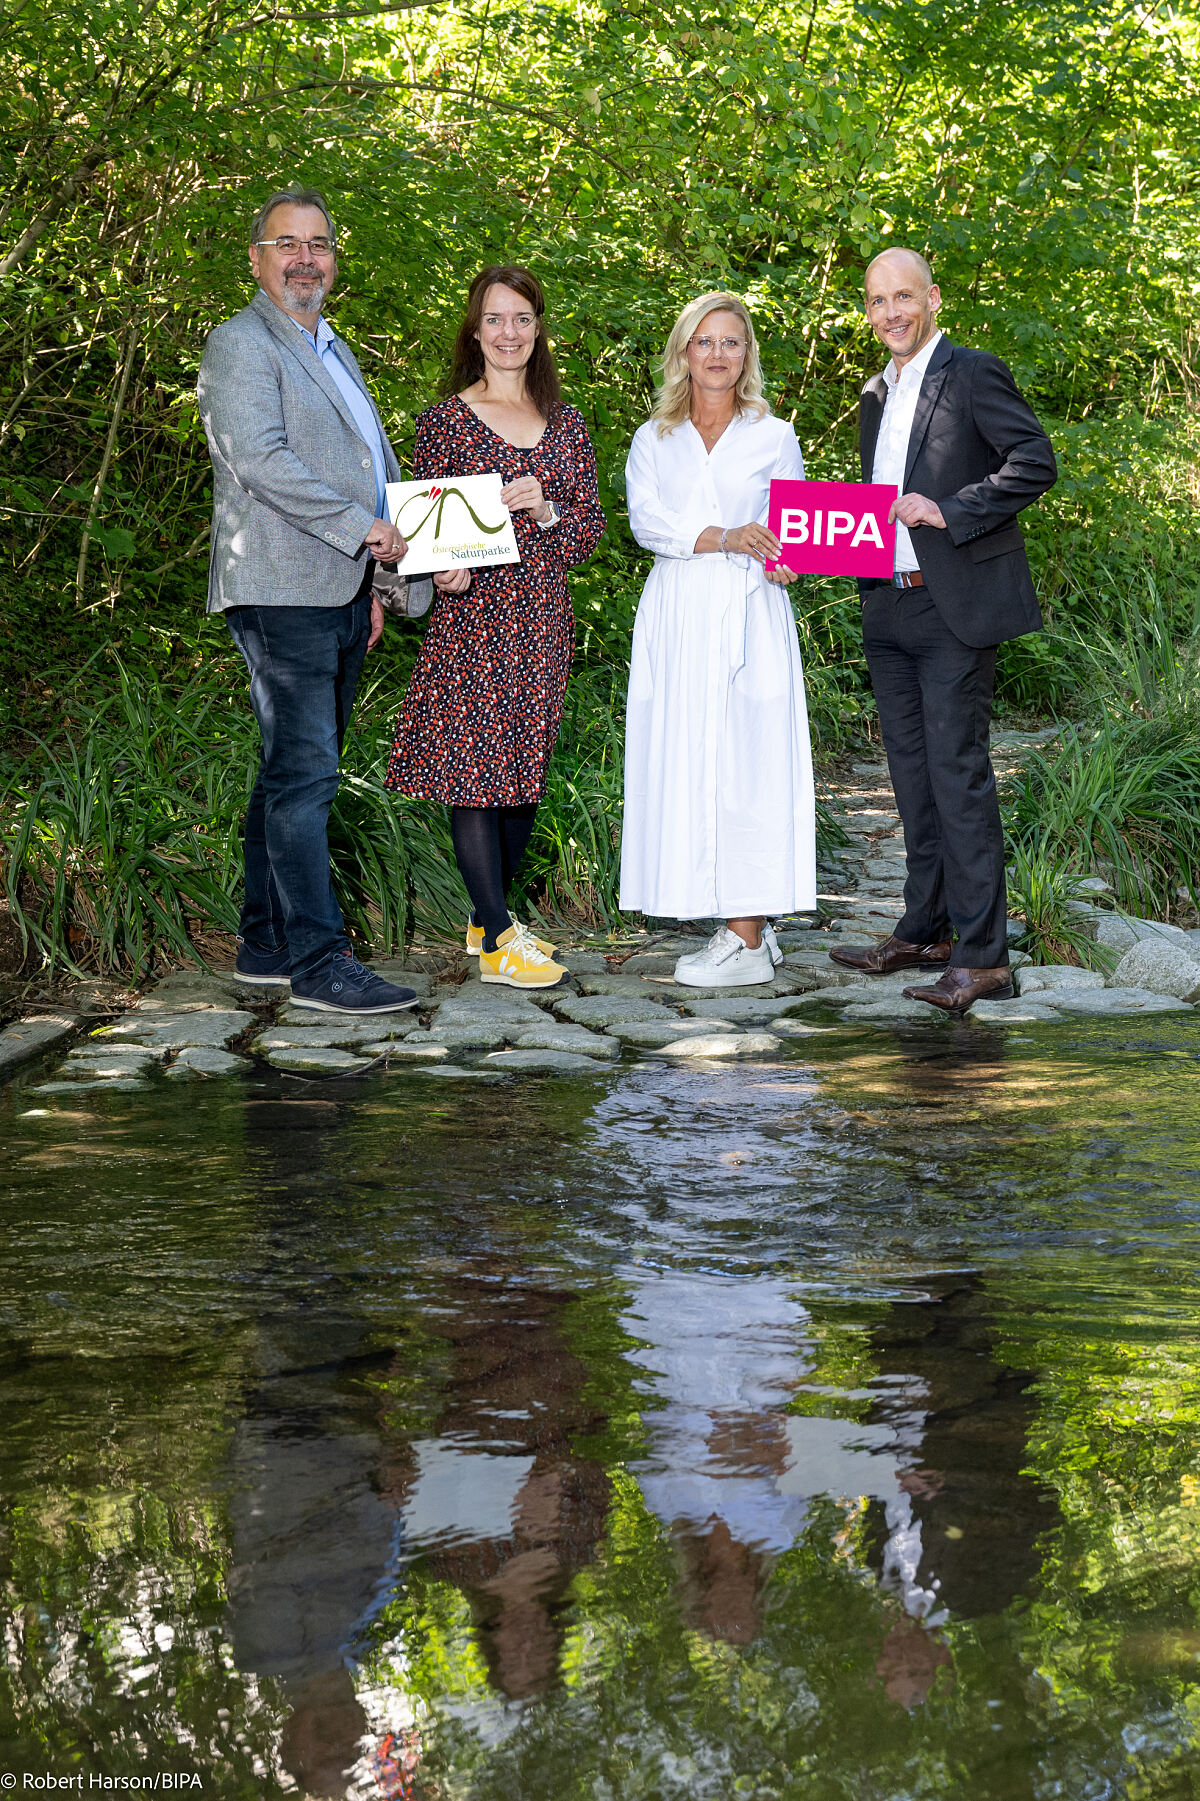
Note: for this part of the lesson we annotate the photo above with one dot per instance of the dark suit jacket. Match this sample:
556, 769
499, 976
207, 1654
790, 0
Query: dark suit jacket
977, 449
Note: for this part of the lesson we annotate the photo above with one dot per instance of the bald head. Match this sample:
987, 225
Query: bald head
902, 300
913, 264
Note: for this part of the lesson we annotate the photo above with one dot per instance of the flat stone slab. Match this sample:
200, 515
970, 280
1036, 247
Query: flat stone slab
724, 1044
412, 1050
187, 989
654, 1033
114, 1063
26, 1039
202, 1060
550, 1036
1116, 1002
1162, 968
122, 1084
142, 1054
1032, 978
348, 1033
795, 1028
885, 869
556, 1062
612, 1009
893, 1007
465, 1036
176, 1031
827, 974
496, 996
741, 1006
631, 987
344, 1028
324, 1062
1019, 1012
454, 1073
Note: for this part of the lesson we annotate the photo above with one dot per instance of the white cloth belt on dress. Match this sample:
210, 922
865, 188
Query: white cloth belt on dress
737, 614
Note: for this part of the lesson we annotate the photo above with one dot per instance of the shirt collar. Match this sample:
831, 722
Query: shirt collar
914, 370
323, 335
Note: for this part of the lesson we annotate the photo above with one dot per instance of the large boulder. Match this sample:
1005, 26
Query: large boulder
1119, 932
1160, 967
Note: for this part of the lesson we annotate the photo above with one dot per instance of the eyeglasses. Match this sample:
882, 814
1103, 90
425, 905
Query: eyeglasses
285, 246
731, 346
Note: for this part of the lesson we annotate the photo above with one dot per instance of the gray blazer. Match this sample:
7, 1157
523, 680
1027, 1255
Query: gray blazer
293, 482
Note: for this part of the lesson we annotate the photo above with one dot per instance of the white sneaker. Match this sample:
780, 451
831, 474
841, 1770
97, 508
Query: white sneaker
725, 962
772, 944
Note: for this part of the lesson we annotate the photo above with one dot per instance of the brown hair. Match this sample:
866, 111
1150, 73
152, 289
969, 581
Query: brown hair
466, 364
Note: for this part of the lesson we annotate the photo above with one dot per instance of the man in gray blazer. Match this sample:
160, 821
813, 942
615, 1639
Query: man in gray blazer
300, 459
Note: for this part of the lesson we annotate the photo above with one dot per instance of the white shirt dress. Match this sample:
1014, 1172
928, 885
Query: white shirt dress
719, 812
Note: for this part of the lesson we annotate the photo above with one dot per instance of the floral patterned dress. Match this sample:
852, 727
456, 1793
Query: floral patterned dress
482, 712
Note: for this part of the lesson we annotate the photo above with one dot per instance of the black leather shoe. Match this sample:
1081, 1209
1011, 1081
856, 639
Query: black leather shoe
893, 953
959, 989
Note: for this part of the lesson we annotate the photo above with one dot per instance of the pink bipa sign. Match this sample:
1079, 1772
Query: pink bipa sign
834, 528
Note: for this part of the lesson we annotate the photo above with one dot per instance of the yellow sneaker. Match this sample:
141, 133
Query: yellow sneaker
475, 939
518, 963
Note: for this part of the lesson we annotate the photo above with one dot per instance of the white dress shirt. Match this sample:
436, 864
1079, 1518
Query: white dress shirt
324, 343
895, 429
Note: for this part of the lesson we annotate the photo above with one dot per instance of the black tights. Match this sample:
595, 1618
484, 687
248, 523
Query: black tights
489, 843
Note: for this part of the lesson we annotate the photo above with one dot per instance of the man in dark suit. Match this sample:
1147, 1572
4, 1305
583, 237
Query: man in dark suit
963, 447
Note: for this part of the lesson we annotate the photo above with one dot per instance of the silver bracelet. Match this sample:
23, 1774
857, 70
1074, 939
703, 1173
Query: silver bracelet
724, 535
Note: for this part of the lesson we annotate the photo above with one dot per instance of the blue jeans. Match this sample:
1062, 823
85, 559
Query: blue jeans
304, 665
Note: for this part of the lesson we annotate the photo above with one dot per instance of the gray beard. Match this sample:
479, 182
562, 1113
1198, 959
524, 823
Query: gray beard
304, 297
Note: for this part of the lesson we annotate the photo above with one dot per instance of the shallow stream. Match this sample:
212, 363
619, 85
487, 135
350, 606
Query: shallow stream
820, 1429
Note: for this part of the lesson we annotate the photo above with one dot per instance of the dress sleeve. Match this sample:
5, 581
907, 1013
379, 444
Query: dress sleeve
789, 462
582, 523
656, 525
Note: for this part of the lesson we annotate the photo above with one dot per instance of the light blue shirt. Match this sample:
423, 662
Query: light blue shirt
356, 399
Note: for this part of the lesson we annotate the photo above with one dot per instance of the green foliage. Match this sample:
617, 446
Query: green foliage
1117, 798
635, 153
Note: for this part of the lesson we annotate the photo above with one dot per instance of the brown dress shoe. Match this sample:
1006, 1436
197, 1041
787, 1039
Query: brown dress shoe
959, 989
893, 953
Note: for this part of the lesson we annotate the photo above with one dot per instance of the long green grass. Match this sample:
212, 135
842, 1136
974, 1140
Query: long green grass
1119, 796
121, 838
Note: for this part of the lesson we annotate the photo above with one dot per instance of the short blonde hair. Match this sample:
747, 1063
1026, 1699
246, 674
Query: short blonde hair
673, 403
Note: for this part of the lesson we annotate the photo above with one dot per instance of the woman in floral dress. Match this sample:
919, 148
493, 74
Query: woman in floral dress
482, 712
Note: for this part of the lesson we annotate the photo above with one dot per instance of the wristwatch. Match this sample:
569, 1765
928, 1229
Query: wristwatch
545, 525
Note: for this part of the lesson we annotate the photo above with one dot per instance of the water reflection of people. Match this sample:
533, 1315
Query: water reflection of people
938, 1459
724, 1355
332, 1501
502, 1506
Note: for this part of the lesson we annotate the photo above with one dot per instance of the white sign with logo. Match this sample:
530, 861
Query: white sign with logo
455, 522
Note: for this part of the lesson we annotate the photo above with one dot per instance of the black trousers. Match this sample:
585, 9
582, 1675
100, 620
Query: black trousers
934, 695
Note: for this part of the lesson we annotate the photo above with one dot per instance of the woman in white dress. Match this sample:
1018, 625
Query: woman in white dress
719, 810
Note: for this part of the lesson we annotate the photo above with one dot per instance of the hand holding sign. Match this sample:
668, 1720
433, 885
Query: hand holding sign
833, 528
460, 522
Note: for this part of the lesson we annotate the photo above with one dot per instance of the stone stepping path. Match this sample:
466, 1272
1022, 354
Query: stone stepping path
622, 1005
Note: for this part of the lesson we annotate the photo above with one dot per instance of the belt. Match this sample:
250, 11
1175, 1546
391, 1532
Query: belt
908, 578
